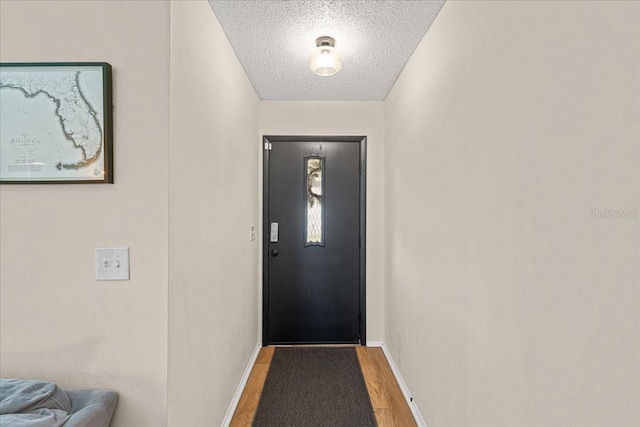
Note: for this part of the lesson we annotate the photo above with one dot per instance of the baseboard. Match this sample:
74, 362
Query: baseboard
243, 382
405, 390
374, 343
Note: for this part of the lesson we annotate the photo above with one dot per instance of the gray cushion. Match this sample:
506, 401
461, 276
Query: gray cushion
37, 418
17, 396
32, 403
91, 408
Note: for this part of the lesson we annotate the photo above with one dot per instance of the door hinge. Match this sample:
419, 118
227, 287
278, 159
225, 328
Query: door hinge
267, 146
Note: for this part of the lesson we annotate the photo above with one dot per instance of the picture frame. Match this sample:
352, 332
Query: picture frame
56, 123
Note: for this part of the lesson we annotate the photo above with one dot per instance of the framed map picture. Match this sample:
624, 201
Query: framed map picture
56, 123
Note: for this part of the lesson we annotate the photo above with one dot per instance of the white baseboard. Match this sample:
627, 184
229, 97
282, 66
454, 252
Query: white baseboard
243, 382
374, 343
405, 390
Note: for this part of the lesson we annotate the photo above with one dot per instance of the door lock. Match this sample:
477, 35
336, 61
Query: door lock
275, 252
274, 232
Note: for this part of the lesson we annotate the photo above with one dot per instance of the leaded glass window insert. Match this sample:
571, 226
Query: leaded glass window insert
314, 191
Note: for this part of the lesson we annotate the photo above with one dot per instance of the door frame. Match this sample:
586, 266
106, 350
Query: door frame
362, 141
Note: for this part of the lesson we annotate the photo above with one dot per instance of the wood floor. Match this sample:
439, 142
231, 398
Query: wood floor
389, 405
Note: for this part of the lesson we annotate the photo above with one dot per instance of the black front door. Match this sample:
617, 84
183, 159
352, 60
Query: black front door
313, 272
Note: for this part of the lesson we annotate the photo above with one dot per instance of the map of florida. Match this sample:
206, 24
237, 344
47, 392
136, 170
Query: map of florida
77, 118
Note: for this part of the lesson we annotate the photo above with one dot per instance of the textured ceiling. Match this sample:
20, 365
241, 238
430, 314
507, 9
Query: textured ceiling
273, 41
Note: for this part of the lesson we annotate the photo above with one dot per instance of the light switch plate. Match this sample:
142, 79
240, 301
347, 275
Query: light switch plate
112, 264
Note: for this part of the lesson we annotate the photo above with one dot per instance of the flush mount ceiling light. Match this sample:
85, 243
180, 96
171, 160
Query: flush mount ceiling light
325, 59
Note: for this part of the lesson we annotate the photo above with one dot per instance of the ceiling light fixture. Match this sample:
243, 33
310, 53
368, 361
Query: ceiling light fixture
325, 59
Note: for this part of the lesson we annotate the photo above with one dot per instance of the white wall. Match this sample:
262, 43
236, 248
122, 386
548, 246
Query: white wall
57, 322
507, 303
345, 118
215, 148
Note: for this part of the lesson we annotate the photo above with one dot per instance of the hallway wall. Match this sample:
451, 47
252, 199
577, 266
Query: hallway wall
213, 200
508, 300
344, 118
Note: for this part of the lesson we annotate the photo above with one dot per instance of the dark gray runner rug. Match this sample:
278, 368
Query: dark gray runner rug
315, 386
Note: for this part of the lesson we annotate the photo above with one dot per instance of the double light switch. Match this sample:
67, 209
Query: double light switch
112, 264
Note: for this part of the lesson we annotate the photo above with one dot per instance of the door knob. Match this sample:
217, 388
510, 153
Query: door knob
274, 252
